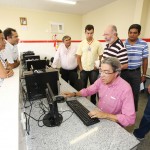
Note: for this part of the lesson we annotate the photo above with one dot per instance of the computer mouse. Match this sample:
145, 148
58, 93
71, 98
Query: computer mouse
35, 71
60, 99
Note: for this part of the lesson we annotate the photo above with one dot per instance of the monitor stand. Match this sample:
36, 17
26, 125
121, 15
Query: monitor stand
53, 118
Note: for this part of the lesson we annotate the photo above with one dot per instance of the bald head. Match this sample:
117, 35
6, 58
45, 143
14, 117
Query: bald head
110, 34
111, 29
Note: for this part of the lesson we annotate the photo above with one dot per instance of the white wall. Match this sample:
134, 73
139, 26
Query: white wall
122, 13
146, 23
119, 13
38, 23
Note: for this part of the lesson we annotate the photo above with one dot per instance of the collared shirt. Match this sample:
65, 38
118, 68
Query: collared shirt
11, 52
136, 53
66, 56
118, 50
89, 53
4, 65
115, 98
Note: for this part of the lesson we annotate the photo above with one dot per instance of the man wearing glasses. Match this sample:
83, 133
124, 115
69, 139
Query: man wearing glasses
116, 101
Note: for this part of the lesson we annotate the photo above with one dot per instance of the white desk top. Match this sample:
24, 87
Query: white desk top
74, 135
9, 96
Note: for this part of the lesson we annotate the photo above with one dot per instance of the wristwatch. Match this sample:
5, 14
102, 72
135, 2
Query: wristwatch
74, 94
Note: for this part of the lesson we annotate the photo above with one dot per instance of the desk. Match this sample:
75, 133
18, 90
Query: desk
74, 135
9, 98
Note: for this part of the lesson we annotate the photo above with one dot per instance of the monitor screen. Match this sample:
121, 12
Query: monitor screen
36, 64
36, 84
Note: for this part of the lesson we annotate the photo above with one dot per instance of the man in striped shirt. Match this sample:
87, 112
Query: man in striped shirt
115, 47
137, 57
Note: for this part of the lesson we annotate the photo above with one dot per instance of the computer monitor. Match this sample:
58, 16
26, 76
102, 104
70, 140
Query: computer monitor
36, 83
36, 64
27, 53
32, 57
53, 118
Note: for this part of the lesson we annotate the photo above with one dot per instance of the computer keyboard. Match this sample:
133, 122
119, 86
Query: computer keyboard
82, 112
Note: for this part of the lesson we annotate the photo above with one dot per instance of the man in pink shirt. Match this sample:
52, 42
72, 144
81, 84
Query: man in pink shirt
115, 94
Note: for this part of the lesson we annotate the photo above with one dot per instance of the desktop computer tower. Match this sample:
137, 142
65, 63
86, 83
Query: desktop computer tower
36, 83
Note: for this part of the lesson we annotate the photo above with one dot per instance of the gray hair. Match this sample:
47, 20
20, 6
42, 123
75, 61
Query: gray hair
114, 29
114, 63
66, 37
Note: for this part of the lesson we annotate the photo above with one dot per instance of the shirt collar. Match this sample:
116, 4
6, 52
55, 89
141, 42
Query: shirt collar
137, 41
10, 45
66, 47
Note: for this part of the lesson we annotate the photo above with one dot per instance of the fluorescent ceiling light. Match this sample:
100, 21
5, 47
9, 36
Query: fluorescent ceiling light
65, 1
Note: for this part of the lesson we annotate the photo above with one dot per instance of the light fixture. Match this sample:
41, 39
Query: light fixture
65, 1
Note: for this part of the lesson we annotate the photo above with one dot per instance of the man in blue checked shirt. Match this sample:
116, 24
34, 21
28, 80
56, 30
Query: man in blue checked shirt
137, 50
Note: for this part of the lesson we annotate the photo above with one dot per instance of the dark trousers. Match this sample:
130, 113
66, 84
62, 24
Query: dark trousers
144, 126
92, 76
69, 75
133, 77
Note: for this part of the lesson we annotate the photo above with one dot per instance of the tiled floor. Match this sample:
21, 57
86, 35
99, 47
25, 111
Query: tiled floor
144, 144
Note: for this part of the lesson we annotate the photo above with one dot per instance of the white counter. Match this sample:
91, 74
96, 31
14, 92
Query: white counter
9, 98
73, 134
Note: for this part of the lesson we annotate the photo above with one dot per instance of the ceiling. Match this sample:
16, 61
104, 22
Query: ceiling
82, 6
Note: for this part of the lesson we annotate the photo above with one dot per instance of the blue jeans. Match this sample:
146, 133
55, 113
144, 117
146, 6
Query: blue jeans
92, 75
144, 126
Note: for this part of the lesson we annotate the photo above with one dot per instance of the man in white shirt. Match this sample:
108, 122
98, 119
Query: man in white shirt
66, 55
11, 50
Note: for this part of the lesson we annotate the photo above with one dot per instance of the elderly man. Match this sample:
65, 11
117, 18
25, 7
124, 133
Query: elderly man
115, 94
11, 50
66, 55
115, 47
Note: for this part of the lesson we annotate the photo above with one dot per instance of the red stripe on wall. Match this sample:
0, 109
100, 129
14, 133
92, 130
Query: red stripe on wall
44, 41
52, 41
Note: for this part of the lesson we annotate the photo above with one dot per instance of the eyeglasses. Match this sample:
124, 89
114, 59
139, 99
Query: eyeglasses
105, 72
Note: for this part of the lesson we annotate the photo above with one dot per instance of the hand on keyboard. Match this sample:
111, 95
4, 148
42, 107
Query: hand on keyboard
97, 114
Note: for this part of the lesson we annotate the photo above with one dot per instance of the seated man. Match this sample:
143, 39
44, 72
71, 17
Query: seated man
4, 71
66, 55
11, 50
115, 94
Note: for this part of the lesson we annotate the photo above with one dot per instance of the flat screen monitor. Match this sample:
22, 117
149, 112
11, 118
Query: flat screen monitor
36, 83
53, 118
36, 64
32, 57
